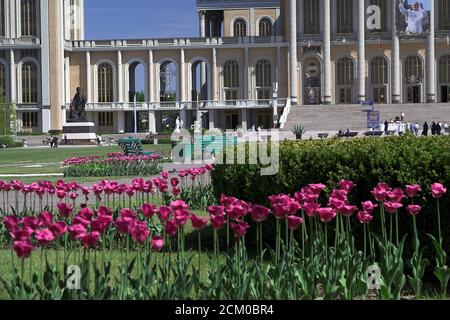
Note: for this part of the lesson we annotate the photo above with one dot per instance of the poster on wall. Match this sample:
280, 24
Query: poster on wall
413, 17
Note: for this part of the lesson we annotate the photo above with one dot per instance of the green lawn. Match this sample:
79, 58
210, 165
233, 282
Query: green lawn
45, 161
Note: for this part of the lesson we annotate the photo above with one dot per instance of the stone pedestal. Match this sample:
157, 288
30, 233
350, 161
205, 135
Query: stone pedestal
79, 132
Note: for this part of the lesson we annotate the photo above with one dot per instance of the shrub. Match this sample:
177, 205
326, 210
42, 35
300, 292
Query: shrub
9, 142
395, 160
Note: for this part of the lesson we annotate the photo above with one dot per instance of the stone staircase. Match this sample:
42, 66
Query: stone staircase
337, 117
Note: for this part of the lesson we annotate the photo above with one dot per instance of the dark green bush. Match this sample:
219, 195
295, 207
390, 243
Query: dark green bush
9, 142
160, 141
395, 160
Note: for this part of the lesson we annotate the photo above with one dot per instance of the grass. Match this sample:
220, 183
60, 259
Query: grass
45, 161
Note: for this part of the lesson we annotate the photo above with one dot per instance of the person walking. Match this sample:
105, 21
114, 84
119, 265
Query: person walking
433, 128
438, 129
425, 129
386, 126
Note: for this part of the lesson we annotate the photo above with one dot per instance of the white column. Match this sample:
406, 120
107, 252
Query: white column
252, 31
430, 55
203, 81
293, 51
121, 121
120, 76
151, 92
202, 24
327, 52
361, 52
214, 75
13, 72
245, 73
88, 77
244, 118
212, 116
151, 121
67, 78
395, 59
182, 77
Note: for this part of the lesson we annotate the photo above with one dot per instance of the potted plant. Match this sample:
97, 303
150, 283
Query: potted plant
299, 131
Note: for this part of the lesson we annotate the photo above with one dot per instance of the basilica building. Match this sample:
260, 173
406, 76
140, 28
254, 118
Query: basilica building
253, 63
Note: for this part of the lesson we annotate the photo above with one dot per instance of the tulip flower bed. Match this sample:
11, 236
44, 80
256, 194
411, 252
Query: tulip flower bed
114, 165
141, 252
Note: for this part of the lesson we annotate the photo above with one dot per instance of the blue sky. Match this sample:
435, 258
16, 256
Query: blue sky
122, 19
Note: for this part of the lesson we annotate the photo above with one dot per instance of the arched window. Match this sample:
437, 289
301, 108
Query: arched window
444, 78
444, 14
345, 79
263, 79
28, 18
168, 82
311, 16
413, 70
2, 18
379, 75
240, 28
231, 80
265, 27
105, 83
382, 4
2, 80
344, 16
29, 83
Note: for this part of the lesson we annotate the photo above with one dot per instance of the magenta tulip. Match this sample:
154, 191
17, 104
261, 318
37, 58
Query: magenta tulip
65, 210
368, 206
58, 229
413, 190
198, 223
157, 243
392, 207
259, 213
326, 214
148, 210
364, 217
239, 228
438, 190
171, 228
23, 248
91, 240
44, 237
380, 192
294, 222
414, 210
139, 231
218, 221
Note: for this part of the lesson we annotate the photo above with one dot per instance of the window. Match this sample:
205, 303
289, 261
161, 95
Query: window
311, 17
240, 28
344, 16
231, 80
345, 80
444, 15
264, 120
2, 18
265, 27
29, 83
2, 80
105, 119
29, 119
379, 79
382, 4
263, 81
444, 78
28, 18
168, 86
105, 83
413, 70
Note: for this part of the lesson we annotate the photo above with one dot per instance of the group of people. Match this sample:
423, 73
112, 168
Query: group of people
399, 126
436, 129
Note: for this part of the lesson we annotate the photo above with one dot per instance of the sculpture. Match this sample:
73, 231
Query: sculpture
178, 125
77, 112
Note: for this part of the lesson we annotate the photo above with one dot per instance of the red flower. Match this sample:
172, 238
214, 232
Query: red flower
10, 222
368, 206
171, 228
347, 210
294, 222
217, 210
438, 190
326, 214
218, 221
44, 237
77, 231
392, 207
197, 222
346, 185
90, 240
311, 209
397, 195
139, 231
64, 209
46, 218
380, 192
414, 210
239, 228
316, 188
413, 190
259, 213
58, 229
364, 217
23, 248
31, 222
22, 234
122, 223
157, 243
164, 213
148, 210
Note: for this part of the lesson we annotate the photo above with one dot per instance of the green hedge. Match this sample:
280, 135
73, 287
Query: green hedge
395, 160
9, 142
160, 141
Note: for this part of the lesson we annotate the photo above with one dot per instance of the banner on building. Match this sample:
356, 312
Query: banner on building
413, 17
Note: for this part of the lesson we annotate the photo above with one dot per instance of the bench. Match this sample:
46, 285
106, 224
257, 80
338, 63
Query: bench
347, 134
323, 136
133, 147
207, 144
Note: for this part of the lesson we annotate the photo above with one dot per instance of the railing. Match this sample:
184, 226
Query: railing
28, 106
24, 41
286, 111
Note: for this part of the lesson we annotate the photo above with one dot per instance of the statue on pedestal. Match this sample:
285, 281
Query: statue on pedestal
77, 111
178, 125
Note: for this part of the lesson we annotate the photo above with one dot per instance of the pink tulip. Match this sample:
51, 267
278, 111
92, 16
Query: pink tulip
218, 221
347, 210
392, 207
148, 210
157, 243
174, 182
259, 213
368, 206
164, 213
339, 194
198, 223
335, 203
61, 194
346, 185
58, 229
80, 220
364, 217
216, 210
128, 213
90, 240
414, 210
438, 190
380, 192
294, 222
44, 237
104, 211
46, 219
326, 214
86, 213
11, 222
65, 210
311, 209
397, 195
77, 231
239, 228
226, 201
139, 231
316, 188
122, 223
31, 222
23, 248
171, 228
413, 190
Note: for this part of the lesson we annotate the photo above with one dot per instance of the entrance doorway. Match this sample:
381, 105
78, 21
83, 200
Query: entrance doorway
379, 95
445, 94
413, 94
312, 82
231, 120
